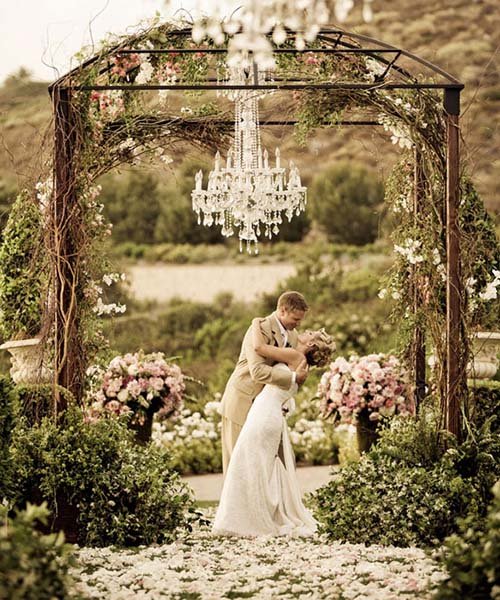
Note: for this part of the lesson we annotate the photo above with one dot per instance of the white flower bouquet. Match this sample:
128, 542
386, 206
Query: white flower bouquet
375, 383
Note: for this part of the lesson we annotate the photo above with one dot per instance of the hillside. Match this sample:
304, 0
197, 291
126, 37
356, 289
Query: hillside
460, 36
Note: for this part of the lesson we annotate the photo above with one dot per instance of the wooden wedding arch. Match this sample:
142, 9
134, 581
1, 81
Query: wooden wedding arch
399, 70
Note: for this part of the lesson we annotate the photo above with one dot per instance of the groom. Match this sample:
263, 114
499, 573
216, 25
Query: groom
252, 371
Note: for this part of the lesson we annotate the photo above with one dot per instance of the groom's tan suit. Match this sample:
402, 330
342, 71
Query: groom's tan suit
250, 375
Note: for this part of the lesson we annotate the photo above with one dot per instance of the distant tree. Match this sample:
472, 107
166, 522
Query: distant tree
177, 222
294, 230
22, 75
131, 202
345, 201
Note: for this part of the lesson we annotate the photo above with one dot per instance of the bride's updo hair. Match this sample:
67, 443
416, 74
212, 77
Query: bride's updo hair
324, 346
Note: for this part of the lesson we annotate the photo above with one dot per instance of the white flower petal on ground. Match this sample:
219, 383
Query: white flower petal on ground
211, 567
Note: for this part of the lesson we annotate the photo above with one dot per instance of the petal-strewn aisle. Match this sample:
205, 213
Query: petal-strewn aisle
200, 566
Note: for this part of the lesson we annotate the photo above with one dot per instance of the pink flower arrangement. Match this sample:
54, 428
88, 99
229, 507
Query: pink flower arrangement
139, 384
377, 383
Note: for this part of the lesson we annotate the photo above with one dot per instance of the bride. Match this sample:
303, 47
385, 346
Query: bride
261, 495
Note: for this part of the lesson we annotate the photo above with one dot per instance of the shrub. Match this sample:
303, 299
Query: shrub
472, 557
411, 488
378, 501
21, 270
35, 400
485, 402
32, 566
125, 494
344, 202
177, 222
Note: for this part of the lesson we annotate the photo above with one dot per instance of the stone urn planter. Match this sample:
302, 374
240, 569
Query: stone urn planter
27, 361
366, 431
484, 355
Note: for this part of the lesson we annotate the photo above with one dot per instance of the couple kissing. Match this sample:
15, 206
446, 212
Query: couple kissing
261, 495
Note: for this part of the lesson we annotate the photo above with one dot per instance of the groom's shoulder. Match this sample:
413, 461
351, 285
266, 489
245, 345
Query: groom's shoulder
264, 322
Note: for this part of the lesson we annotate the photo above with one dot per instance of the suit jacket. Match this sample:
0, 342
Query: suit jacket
252, 372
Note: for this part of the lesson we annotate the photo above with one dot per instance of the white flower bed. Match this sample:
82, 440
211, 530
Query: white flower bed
201, 566
193, 438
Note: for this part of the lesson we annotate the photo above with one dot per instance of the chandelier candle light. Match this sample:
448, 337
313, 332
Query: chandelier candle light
247, 194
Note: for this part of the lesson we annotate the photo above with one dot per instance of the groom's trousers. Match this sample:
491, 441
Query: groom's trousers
229, 434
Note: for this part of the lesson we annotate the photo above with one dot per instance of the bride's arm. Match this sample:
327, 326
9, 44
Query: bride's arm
290, 356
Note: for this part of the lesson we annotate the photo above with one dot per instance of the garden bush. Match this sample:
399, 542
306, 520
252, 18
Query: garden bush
344, 202
472, 558
33, 566
377, 501
411, 488
7, 416
124, 494
35, 400
485, 403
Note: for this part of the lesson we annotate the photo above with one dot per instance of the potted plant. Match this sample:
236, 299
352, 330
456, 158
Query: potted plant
138, 385
22, 285
363, 389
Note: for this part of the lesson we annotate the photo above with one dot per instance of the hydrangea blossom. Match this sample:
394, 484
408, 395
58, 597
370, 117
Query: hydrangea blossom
138, 383
377, 383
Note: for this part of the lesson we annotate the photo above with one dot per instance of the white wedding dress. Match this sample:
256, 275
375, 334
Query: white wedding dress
261, 495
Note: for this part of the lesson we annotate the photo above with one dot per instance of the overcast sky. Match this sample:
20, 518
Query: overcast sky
34, 32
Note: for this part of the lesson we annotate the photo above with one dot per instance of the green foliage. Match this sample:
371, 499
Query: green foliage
32, 566
132, 204
275, 251
485, 403
125, 494
7, 418
344, 202
36, 400
21, 270
8, 193
377, 501
177, 222
193, 441
411, 488
472, 557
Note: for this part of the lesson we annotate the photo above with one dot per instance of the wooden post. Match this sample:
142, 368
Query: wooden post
455, 373
67, 341
418, 334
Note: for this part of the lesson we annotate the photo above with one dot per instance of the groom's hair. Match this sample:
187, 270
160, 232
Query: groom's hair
292, 301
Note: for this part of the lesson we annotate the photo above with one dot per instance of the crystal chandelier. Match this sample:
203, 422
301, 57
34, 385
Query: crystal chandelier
247, 194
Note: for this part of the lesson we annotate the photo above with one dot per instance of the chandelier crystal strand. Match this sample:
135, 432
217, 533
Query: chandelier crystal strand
247, 194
